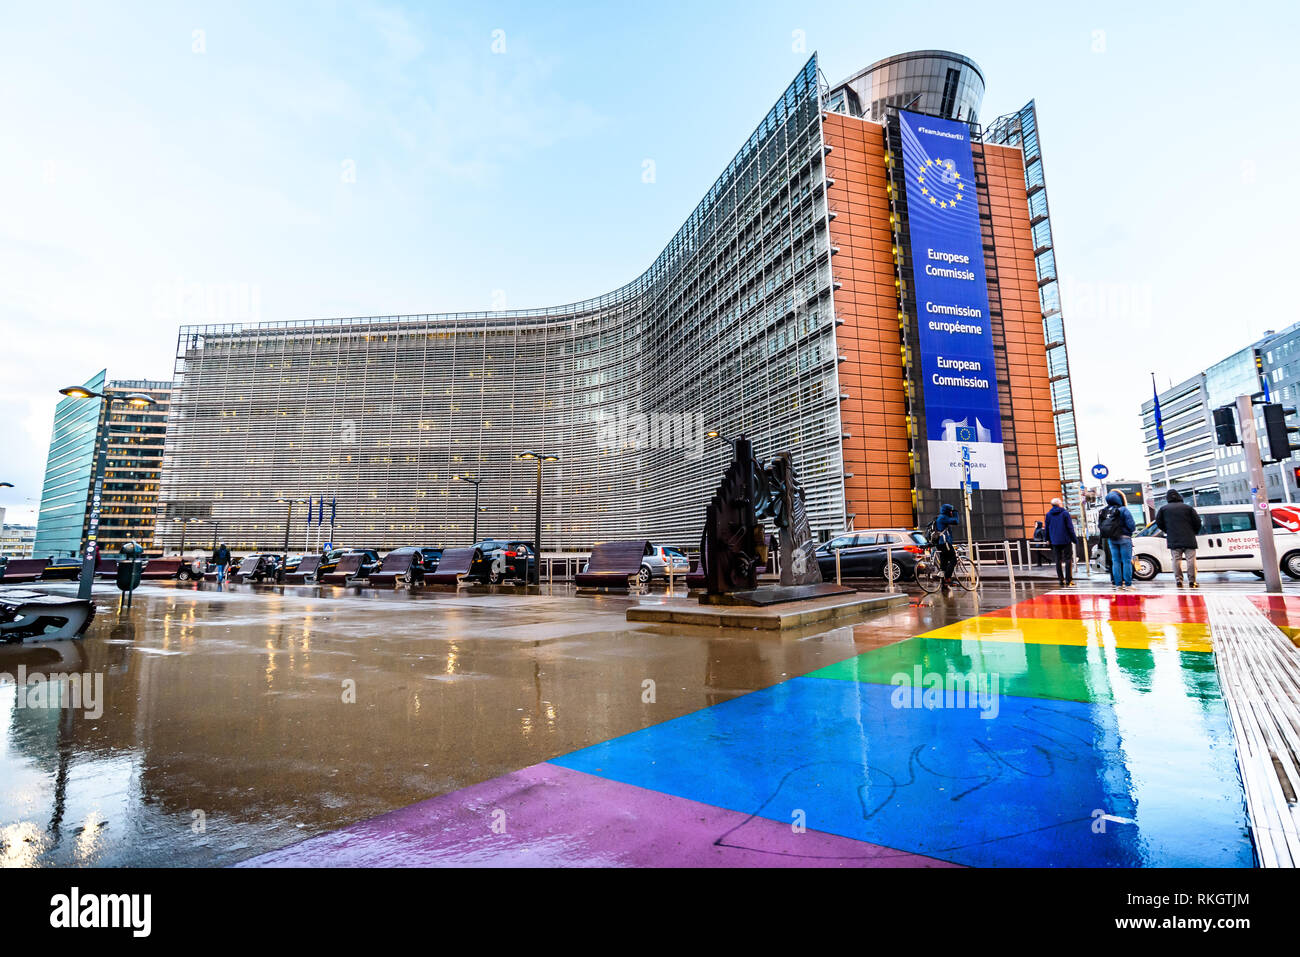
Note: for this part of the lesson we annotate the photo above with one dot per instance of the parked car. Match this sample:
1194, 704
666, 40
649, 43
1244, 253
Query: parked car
655, 565
1228, 541
292, 562
369, 563
432, 556
863, 553
62, 569
192, 569
500, 560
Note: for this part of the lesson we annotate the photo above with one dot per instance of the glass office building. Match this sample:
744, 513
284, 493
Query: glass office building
751, 321
61, 522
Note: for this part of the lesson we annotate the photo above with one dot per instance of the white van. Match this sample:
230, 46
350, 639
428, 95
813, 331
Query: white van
1228, 541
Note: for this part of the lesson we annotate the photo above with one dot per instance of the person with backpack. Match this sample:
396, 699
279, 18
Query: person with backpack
1117, 526
941, 539
1061, 535
1040, 540
1181, 524
221, 558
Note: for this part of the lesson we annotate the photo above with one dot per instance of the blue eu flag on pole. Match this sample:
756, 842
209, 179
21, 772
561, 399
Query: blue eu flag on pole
334, 502
1160, 430
308, 509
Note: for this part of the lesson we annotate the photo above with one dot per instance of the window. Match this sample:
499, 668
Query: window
1222, 523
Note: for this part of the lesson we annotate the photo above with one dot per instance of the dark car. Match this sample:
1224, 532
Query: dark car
501, 560
62, 569
863, 553
369, 563
432, 556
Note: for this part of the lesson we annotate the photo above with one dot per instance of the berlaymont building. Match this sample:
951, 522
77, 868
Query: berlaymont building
870, 284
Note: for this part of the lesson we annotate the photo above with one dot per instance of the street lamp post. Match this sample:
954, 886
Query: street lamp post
288, 523
476, 482
90, 552
537, 524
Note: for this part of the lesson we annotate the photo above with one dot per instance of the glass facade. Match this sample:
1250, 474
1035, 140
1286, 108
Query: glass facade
1021, 128
925, 81
731, 328
61, 523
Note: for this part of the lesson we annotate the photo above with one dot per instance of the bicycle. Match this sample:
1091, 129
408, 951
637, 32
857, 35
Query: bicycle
929, 570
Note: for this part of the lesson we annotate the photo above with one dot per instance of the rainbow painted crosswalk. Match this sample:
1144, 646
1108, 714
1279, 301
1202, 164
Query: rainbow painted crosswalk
1066, 730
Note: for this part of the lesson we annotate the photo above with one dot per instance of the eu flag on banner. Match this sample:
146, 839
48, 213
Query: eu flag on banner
308, 509
1160, 429
334, 502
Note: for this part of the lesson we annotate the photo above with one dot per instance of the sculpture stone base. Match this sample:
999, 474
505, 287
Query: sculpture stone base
775, 594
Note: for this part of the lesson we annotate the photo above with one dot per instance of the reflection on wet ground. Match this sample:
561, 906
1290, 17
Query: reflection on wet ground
241, 721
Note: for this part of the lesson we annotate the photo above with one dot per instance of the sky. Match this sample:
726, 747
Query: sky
184, 162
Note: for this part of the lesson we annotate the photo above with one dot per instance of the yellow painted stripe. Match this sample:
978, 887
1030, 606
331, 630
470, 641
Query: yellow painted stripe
1058, 631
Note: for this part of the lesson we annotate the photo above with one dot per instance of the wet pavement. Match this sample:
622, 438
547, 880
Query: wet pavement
269, 727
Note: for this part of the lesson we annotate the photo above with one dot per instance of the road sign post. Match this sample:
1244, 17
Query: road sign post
1259, 493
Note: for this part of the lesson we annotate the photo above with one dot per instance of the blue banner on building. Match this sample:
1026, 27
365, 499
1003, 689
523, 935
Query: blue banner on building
956, 342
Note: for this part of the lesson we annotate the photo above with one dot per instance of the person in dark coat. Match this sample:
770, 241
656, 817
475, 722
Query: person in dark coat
1119, 520
944, 523
1061, 535
1040, 540
221, 559
1181, 524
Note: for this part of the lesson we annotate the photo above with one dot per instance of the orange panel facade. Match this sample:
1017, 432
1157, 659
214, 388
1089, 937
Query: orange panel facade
873, 373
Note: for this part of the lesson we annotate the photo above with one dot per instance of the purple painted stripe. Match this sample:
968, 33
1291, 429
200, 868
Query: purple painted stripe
557, 817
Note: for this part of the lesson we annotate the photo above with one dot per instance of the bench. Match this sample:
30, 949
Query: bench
159, 568
613, 565
24, 570
393, 568
106, 568
29, 614
346, 569
247, 568
305, 572
454, 565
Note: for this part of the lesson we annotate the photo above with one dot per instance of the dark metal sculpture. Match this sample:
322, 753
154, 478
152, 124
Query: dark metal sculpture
734, 546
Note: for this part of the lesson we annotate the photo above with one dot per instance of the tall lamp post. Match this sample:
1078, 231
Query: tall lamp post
185, 523
137, 399
537, 525
476, 482
288, 523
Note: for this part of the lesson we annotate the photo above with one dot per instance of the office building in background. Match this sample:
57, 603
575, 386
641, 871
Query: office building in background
809, 302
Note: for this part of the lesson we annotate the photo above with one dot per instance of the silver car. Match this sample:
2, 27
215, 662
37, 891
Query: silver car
655, 565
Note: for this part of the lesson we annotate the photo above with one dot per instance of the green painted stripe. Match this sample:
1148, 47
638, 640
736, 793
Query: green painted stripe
1063, 672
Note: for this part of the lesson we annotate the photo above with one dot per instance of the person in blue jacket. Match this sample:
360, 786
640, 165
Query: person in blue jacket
944, 523
1116, 525
1061, 535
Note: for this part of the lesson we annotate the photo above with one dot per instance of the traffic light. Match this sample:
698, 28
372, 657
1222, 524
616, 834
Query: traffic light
1225, 426
1278, 432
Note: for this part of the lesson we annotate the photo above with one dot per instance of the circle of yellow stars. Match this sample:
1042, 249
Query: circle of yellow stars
945, 168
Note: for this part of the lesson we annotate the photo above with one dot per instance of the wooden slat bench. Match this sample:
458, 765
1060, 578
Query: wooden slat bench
24, 570
613, 564
454, 565
159, 568
393, 568
305, 572
344, 571
247, 568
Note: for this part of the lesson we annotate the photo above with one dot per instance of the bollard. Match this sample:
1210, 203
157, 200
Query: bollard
1011, 571
670, 574
889, 566
837, 567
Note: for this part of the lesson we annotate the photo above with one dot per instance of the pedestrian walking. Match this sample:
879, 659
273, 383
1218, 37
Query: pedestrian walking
221, 558
1060, 534
1181, 524
1116, 526
1040, 546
